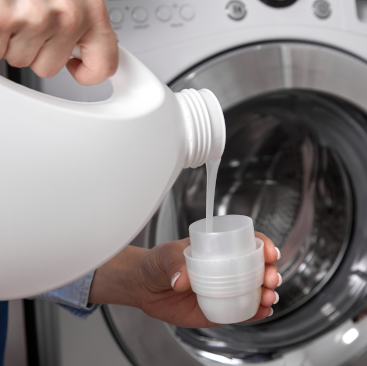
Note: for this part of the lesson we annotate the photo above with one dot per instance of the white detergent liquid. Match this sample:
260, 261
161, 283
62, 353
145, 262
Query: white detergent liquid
211, 172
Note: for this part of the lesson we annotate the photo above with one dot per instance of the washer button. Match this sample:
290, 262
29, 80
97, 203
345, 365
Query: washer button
187, 12
236, 10
139, 14
163, 13
322, 9
116, 16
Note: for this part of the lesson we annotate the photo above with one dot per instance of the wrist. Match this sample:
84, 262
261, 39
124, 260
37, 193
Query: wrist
119, 281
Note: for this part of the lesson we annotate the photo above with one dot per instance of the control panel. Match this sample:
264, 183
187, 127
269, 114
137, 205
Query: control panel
172, 36
143, 25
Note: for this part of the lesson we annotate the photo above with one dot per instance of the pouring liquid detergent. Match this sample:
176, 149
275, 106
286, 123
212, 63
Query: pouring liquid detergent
211, 172
225, 262
80, 180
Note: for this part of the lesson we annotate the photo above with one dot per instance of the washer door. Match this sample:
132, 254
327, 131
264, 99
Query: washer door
296, 162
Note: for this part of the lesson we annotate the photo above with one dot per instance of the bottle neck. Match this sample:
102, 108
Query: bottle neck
205, 126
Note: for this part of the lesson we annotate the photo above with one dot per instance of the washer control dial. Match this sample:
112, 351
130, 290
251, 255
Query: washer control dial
163, 13
116, 16
139, 14
322, 9
187, 12
236, 10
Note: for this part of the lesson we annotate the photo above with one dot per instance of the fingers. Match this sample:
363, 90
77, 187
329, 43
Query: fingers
262, 313
272, 277
271, 252
22, 50
31, 25
172, 260
6, 27
4, 39
42, 34
72, 22
269, 297
51, 58
25, 26
99, 51
99, 62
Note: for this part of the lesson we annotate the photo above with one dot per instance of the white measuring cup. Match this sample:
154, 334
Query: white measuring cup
226, 268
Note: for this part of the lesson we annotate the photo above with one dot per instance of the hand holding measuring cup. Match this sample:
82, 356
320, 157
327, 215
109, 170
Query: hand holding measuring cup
156, 280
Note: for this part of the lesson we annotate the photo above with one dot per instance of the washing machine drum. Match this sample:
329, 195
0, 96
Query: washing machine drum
296, 162
277, 170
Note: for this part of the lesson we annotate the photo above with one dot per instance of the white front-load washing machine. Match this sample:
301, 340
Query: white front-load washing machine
291, 76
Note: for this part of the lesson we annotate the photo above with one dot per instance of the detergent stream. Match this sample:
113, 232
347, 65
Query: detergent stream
211, 171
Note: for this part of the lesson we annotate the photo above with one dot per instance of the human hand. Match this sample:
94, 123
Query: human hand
42, 34
157, 282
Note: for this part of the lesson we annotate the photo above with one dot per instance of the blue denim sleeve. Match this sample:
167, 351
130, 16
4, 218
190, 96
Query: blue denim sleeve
73, 297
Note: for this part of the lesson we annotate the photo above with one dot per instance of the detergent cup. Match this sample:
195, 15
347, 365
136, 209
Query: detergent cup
226, 268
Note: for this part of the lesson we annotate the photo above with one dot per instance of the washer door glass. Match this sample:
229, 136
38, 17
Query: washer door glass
277, 169
296, 162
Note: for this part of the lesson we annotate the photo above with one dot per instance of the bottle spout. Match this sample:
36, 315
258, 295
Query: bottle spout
218, 126
205, 126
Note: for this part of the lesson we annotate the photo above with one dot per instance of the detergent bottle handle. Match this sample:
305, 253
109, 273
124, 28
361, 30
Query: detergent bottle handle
131, 74
76, 52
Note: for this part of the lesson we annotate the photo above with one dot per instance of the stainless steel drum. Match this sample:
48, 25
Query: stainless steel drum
277, 169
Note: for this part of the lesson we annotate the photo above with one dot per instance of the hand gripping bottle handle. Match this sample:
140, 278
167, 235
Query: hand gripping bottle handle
129, 75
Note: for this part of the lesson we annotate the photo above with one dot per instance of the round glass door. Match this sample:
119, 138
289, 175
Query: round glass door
277, 169
296, 162
295, 158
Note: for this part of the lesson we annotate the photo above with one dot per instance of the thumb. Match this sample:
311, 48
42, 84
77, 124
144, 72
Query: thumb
99, 54
173, 261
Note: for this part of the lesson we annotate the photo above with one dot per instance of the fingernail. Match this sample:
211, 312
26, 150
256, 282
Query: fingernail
276, 298
279, 254
280, 279
271, 312
174, 279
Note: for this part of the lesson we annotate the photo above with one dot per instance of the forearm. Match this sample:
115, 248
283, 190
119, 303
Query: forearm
118, 280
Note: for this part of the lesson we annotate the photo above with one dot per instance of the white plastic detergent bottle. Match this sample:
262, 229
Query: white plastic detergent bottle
80, 180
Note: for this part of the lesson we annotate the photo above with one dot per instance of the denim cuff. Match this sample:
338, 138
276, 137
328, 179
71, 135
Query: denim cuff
73, 297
